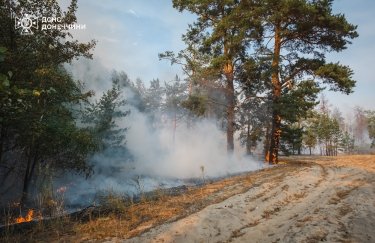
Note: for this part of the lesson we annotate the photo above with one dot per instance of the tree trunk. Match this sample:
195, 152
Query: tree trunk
275, 139
248, 140
229, 75
267, 141
26, 179
230, 117
30, 168
276, 118
310, 150
2, 138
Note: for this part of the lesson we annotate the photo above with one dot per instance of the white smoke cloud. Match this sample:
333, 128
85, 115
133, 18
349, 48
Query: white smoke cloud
181, 155
155, 157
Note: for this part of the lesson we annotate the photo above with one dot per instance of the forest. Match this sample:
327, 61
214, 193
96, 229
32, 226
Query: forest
251, 94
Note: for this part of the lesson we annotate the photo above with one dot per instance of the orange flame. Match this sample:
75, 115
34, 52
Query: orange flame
28, 217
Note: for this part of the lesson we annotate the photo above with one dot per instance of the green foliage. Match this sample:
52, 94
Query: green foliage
279, 45
338, 76
196, 104
253, 115
154, 97
371, 126
219, 41
295, 102
328, 133
175, 93
310, 138
38, 122
291, 139
295, 35
347, 142
102, 116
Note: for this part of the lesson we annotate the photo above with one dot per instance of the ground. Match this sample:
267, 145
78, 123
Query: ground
304, 199
330, 199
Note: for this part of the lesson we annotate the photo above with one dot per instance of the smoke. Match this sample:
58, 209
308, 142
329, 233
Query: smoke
157, 156
187, 152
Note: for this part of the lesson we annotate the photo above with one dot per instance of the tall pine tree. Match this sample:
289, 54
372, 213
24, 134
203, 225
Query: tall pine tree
296, 35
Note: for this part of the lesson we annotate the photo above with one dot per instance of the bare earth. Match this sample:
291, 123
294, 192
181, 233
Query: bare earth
329, 199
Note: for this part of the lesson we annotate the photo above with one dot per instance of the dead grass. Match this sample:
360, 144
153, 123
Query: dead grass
343, 193
271, 196
303, 221
294, 197
300, 195
119, 218
238, 233
268, 212
129, 220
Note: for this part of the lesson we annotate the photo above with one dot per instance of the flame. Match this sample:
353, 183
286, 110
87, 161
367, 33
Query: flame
27, 218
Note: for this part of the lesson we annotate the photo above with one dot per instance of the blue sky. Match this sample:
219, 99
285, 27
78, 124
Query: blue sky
131, 33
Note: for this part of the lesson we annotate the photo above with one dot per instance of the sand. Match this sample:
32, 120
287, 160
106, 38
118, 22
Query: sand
330, 199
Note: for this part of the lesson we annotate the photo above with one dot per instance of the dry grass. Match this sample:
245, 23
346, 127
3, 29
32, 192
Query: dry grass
238, 233
271, 196
343, 193
302, 222
268, 212
127, 220
119, 218
300, 195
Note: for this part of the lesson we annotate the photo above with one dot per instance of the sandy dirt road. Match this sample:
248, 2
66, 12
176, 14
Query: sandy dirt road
329, 199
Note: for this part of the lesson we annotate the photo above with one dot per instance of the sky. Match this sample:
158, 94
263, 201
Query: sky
131, 33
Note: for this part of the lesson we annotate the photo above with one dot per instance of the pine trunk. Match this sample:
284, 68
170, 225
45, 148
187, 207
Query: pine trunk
248, 140
275, 139
230, 115
229, 75
273, 152
267, 141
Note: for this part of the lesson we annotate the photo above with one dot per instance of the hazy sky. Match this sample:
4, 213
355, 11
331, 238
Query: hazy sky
131, 33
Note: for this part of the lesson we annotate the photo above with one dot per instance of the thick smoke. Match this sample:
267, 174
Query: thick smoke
158, 156
188, 152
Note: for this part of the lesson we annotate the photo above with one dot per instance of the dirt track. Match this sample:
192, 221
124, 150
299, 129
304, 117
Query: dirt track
330, 199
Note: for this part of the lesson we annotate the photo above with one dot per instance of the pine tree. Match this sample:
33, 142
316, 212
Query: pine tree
295, 35
102, 116
217, 35
176, 93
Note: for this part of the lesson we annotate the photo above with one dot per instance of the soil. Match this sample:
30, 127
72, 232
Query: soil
329, 199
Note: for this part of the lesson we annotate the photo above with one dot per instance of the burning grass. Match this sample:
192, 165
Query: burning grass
118, 216
27, 218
